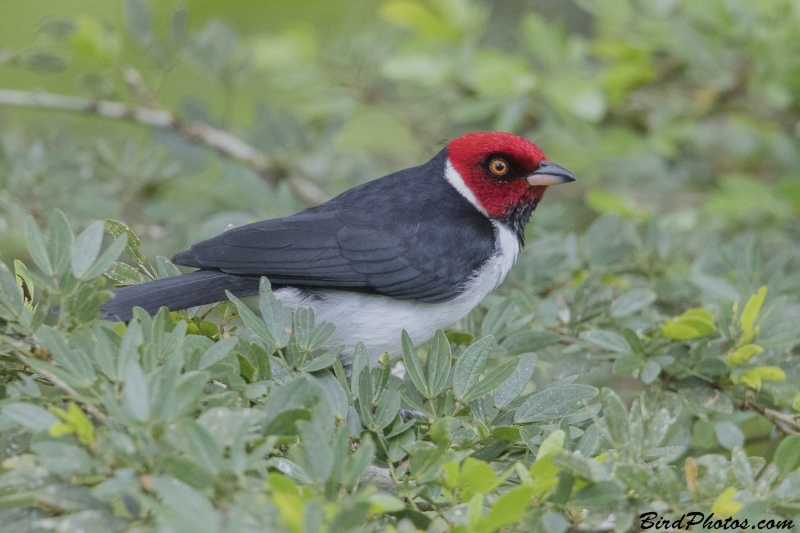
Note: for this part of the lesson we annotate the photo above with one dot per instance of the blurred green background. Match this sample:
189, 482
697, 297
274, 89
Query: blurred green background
681, 109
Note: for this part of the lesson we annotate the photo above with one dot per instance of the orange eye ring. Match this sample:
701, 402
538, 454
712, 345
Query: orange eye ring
498, 167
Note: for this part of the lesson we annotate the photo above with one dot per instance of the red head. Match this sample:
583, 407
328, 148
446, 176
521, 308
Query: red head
505, 172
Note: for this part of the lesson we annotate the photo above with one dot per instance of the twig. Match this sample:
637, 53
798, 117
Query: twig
195, 132
55, 380
786, 423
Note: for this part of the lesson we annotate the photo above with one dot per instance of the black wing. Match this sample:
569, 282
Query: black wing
427, 242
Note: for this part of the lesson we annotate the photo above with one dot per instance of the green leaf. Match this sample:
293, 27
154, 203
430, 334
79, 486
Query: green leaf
633, 341
475, 477
10, 298
553, 522
107, 258
459, 337
31, 416
75, 362
553, 403
754, 376
313, 517
589, 442
509, 433
529, 340
26, 282
698, 313
616, 418
132, 244
165, 268
787, 455
725, 505
680, 331
217, 352
334, 392
74, 420
626, 363
63, 459
61, 242
65, 376
303, 324
470, 366
575, 464
632, 301
129, 348
728, 434
253, 323
125, 274
413, 364
603, 338
506, 510
135, 396
743, 354
190, 509
512, 387
276, 316
600, 494
37, 247
742, 468
262, 361
359, 461
692, 324
140, 22
86, 249
317, 452
750, 313
492, 381
320, 335
323, 361
650, 371
187, 390
554, 443
497, 317
387, 408
360, 362
364, 393
438, 367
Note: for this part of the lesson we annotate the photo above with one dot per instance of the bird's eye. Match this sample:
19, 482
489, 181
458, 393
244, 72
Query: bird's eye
498, 167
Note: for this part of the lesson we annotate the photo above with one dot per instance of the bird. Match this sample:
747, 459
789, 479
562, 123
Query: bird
416, 250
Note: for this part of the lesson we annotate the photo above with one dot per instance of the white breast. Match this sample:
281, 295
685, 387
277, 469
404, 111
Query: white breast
377, 321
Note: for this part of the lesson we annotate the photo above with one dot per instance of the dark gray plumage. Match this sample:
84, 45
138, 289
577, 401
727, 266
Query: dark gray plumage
425, 244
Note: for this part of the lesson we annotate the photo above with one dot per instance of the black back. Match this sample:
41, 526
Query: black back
409, 235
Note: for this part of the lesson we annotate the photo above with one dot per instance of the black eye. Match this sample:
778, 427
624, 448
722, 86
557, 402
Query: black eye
498, 167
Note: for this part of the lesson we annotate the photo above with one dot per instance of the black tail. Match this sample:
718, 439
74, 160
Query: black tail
179, 292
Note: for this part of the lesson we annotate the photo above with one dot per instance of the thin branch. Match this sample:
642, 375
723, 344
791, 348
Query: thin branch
787, 424
195, 132
55, 380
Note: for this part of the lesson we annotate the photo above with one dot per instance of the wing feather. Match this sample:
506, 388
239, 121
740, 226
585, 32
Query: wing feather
428, 257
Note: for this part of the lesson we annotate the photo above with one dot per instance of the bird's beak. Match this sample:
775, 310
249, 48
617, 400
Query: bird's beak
550, 174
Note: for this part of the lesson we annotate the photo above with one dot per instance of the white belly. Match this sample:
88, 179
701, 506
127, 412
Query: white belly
378, 321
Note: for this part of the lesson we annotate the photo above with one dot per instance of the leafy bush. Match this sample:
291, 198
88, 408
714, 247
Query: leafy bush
249, 424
